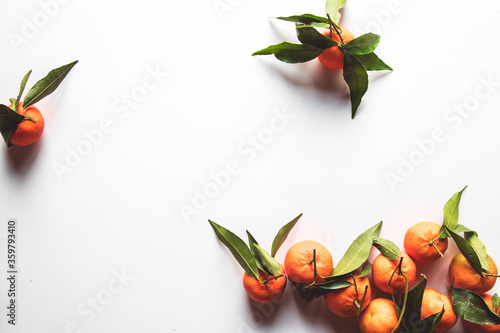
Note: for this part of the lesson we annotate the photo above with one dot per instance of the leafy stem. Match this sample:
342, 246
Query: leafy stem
434, 244
359, 303
333, 26
405, 298
274, 277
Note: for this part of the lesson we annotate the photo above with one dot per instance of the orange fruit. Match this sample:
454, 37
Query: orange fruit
299, 264
265, 292
464, 276
432, 303
31, 129
342, 302
418, 242
380, 316
384, 268
333, 57
475, 328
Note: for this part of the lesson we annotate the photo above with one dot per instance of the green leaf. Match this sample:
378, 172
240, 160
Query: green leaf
496, 302
387, 248
309, 293
372, 62
252, 242
13, 102
430, 323
271, 265
364, 44
357, 79
333, 9
471, 307
467, 250
9, 121
479, 248
334, 284
238, 248
21, 90
451, 214
291, 53
358, 252
283, 234
309, 35
47, 85
304, 18
365, 269
411, 317
461, 228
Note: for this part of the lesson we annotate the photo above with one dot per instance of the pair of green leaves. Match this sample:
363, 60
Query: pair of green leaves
359, 56
469, 245
471, 307
411, 322
10, 118
253, 257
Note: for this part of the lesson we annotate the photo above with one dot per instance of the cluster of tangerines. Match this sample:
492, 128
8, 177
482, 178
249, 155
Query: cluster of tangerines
347, 288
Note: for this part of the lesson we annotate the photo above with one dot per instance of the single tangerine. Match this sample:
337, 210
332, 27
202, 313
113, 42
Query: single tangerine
299, 263
384, 269
345, 302
333, 57
418, 244
265, 292
380, 316
433, 302
464, 276
31, 129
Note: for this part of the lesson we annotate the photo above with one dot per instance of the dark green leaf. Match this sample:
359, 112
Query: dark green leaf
309, 35
334, 284
252, 242
387, 248
47, 85
310, 292
451, 214
358, 252
291, 53
364, 44
430, 323
470, 306
21, 90
9, 121
467, 250
304, 18
496, 302
365, 269
238, 248
333, 9
372, 62
357, 79
283, 234
479, 248
411, 317
271, 265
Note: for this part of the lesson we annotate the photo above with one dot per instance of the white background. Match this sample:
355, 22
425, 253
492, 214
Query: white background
117, 210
